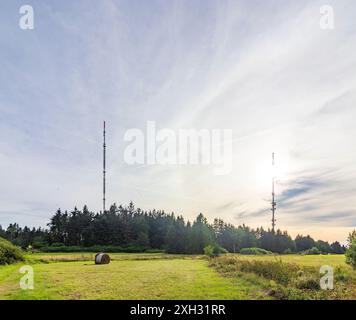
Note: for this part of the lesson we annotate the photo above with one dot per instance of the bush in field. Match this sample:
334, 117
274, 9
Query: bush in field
254, 251
209, 251
9, 253
214, 251
351, 254
312, 251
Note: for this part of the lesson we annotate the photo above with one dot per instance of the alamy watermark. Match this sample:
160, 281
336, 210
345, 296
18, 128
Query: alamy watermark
327, 279
26, 21
27, 281
180, 147
327, 20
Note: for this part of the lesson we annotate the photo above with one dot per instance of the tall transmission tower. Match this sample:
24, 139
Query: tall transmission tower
104, 168
274, 204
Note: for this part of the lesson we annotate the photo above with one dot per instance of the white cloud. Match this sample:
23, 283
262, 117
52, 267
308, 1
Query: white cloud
268, 72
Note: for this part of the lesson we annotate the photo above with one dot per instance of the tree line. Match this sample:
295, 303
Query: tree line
132, 228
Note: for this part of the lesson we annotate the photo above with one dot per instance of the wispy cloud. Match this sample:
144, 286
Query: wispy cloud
267, 71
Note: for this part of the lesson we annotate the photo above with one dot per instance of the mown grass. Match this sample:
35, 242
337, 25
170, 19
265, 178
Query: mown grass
134, 276
166, 276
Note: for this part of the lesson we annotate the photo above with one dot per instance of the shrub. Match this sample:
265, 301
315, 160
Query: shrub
308, 283
214, 251
351, 254
209, 251
254, 251
9, 253
287, 251
312, 251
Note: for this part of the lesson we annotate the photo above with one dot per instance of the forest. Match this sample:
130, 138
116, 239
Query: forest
131, 229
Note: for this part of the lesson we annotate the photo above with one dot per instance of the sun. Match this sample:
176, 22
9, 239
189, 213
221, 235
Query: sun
264, 171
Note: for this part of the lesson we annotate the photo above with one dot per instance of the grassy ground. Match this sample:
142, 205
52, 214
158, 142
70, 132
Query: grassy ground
128, 276
291, 276
317, 261
144, 276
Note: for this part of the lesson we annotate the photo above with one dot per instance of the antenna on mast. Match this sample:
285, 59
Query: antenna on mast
274, 204
104, 169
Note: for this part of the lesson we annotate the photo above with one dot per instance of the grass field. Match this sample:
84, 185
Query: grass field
128, 276
333, 260
141, 276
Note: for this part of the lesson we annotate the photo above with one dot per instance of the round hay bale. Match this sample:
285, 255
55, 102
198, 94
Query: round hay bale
102, 258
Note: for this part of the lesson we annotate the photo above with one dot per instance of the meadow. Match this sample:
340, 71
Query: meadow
154, 276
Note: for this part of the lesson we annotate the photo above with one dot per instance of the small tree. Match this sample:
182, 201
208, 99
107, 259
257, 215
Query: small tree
351, 237
213, 250
351, 251
209, 251
351, 254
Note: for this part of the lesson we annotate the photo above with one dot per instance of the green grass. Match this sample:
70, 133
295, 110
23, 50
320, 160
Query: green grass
134, 276
333, 260
147, 276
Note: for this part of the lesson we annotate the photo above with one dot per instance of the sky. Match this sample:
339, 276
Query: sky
264, 69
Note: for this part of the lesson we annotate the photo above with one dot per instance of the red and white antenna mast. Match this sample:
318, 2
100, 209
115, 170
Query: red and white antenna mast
274, 204
104, 168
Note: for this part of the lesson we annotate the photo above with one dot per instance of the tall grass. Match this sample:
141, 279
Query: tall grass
279, 271
288, 280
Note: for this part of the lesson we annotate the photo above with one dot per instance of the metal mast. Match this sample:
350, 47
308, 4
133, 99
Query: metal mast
104, 169
274, 204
